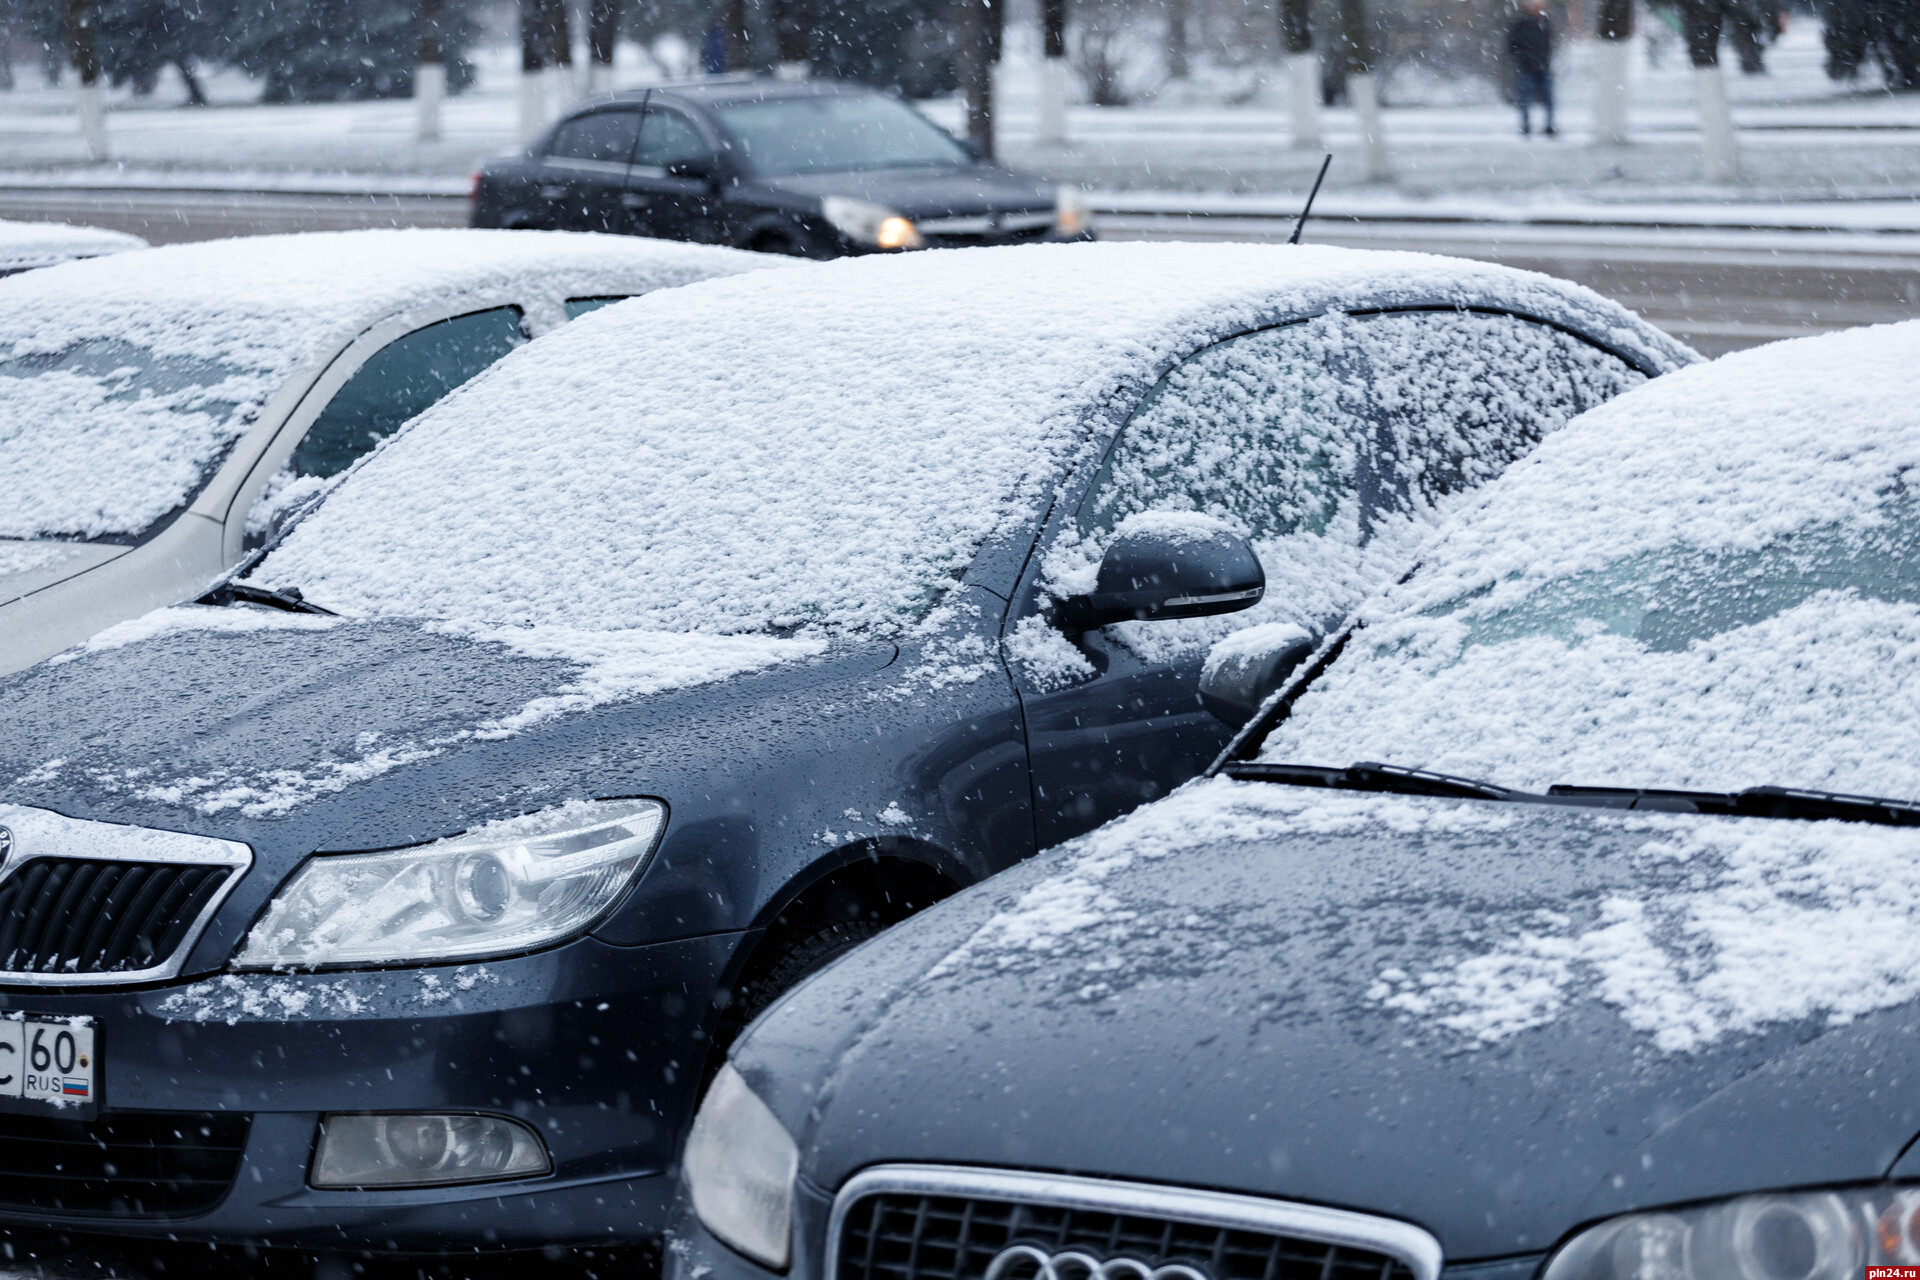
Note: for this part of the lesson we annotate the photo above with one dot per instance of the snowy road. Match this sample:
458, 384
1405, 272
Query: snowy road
1715, 287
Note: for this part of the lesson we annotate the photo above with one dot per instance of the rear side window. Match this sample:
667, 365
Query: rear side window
604, 136
1462, 394
402, 379
577, 307
669, 136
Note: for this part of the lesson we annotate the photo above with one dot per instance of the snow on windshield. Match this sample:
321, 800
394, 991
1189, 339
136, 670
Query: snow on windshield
752, 454
1710, 582
124, 381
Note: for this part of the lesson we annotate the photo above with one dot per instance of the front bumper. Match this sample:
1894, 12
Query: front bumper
599, 1048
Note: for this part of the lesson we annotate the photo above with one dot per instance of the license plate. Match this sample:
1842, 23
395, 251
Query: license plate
49, 1066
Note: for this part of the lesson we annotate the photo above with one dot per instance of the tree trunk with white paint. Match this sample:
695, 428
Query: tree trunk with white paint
1053, 73
429, 88
1364, 92
1719, 146
1303, 97
1611, 64
93, 120
84, 53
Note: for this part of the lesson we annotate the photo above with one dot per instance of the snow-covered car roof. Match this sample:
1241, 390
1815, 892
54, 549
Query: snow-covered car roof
1712, 581
26, 245
734, 457
127, 378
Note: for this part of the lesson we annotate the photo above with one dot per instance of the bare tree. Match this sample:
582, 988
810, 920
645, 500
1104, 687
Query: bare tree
977, 28
1178, 17
1363, 91
1611, 64
1719, 148
1053, 73
82, 23
533, 67
603, 30
1303, 71
430, 68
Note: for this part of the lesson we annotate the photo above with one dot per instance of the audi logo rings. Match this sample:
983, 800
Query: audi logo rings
1077, 1265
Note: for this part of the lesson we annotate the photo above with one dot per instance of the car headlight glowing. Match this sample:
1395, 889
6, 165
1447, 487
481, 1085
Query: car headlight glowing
1822, 1235
505, 887
1071, 217
864, 222
740, 1166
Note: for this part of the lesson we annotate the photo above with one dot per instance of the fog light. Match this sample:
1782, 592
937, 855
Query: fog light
424, 1150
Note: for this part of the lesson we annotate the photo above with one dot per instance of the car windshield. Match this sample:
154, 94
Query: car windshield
1656, 603
833, 132
106, 437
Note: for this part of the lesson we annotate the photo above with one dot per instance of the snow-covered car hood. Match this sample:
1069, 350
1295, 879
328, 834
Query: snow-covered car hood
304, 732
927, 193
1497, 1021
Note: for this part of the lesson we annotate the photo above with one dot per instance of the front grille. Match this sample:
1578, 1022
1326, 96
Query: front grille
906, 1236
77, 915
125, 1164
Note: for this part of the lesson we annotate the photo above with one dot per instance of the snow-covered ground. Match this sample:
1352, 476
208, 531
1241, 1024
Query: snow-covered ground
1803, 137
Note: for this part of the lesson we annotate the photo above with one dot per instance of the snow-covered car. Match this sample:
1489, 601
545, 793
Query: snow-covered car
160, 413
1560, 920
25, 246
678, 652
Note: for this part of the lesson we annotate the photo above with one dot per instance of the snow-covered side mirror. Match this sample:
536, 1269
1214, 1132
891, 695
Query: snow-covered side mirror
1168, 565
1244, 669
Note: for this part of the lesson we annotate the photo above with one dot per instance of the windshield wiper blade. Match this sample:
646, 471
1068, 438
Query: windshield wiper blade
1753, 802
288, 599
1366, 775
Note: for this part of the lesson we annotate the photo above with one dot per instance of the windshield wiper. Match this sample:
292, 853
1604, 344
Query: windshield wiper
288, 598
1369, 776
1754, 802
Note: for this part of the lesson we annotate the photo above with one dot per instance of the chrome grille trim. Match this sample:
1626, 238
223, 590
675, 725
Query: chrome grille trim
43, 834
986, 224
1401, 1241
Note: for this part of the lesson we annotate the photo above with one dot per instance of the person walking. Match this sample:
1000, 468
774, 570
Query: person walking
1530, 44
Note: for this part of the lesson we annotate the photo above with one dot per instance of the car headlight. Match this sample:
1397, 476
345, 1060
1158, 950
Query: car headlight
1071, 217
1820, 1235
740, 1166
864, 222
505, 887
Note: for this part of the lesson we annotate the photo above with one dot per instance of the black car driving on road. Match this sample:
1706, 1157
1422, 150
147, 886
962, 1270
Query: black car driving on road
815, 168
396, 896
1560, 920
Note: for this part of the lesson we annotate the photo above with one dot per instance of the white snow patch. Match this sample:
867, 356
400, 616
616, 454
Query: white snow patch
194, 617
620, 665
1048, 660
231, 997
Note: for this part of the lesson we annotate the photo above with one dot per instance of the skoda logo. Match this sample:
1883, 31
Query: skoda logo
1026, 1262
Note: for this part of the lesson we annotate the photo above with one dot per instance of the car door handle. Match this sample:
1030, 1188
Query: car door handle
553, 193
634, 200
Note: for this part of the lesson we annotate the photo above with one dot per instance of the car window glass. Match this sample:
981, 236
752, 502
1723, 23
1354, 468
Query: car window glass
668, 137
605, 136
577, 307
397, 382
835, 132
1333, 446
1462, 394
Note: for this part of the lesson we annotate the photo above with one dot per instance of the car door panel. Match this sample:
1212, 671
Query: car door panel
584, 174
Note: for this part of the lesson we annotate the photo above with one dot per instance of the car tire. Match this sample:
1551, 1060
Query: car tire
790, 961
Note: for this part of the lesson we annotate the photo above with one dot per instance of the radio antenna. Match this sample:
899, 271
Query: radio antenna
1307, 208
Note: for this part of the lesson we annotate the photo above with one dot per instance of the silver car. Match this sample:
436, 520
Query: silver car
161, 412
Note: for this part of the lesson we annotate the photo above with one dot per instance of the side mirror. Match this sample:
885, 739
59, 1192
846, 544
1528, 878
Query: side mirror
1244, 669
1168, 566
694, 168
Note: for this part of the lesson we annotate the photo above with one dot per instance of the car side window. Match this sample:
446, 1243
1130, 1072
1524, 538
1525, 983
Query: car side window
603, 137
399, 381
577, 307
1261, 431
668, 136
1462, 394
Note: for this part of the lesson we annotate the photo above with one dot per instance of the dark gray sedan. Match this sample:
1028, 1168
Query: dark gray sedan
1560, 919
